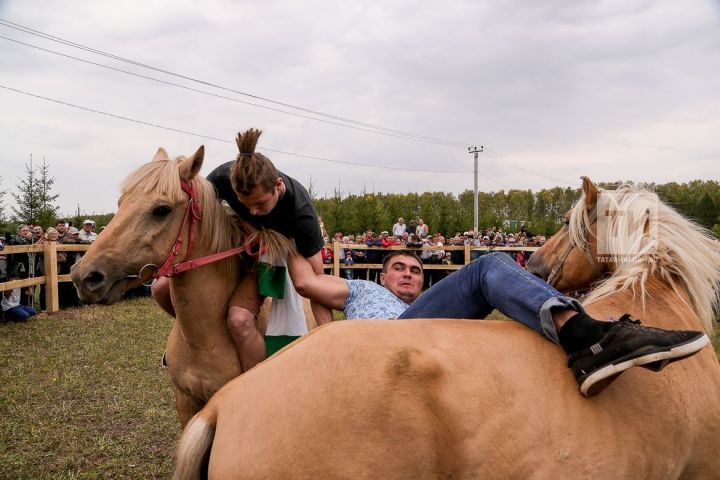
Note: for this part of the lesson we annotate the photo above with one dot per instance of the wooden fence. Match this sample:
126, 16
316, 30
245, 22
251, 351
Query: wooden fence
336, 266
52, 278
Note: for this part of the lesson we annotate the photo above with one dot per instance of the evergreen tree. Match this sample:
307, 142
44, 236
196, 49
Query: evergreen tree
3, 222
47, 213
27, 201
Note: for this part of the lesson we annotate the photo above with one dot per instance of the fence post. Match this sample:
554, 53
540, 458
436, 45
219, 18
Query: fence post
336, 259
52, 303
467, 253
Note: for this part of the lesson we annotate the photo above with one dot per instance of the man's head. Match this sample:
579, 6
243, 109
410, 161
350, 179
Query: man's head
88, 225
60, 226
73, 232
402, 275
24, 231
401, 221
253, 176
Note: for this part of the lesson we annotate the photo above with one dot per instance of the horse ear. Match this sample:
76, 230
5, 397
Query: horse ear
190, 166
160, 155
591, 192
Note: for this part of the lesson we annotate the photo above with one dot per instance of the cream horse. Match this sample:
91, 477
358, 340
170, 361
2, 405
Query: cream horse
469, 399
200, 352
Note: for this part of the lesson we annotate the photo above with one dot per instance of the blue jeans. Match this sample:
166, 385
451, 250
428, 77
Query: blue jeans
21, 312
494, 281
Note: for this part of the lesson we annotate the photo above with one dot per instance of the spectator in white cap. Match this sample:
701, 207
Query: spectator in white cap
87, 235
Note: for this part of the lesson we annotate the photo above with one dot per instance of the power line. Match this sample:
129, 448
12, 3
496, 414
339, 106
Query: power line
537, 173
165, 82
348, 123
374, 127
209, 137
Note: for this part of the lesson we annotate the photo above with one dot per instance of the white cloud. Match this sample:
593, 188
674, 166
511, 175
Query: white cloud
559, 88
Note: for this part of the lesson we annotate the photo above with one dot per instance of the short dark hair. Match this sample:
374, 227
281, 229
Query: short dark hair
397, 253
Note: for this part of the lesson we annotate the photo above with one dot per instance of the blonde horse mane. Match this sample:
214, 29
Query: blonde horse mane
684, 253
219, 229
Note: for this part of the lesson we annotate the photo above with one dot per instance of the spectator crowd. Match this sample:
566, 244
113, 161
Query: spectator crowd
18, 303
416, 234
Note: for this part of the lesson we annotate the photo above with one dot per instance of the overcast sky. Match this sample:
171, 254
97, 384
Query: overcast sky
553, 90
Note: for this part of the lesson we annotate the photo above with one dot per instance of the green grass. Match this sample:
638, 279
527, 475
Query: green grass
82, 395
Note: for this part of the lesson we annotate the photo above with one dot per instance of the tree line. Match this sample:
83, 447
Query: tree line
33, 202
542, 211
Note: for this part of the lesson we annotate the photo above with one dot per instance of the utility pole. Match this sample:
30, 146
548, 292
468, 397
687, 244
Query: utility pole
475, 151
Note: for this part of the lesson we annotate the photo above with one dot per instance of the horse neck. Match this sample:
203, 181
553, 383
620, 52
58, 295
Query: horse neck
200, 297
663, 307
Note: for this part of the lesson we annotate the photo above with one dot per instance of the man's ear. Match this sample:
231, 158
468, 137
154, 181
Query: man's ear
382, 279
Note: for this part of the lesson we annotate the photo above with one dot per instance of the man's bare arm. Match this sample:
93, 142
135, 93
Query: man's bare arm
327, 290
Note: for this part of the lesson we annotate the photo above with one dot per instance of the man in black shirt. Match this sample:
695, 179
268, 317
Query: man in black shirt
267, 198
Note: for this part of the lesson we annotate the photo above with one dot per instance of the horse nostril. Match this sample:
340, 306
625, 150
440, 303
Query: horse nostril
94, 278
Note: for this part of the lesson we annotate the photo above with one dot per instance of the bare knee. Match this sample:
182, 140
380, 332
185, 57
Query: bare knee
241, 321
161, 294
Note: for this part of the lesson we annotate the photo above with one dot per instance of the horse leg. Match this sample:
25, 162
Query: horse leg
187, 406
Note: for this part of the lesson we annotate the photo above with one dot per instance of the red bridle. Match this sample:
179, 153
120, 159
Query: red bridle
190, 219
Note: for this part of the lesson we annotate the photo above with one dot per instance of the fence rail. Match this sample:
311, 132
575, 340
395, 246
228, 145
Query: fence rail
52, 278
336, 266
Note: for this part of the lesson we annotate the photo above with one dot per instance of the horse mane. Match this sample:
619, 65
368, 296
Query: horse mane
684, 255
218, 229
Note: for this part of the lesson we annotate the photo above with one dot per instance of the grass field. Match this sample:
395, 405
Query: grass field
82, 395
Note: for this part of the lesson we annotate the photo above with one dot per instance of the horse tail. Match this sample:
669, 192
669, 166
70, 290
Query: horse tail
193, 451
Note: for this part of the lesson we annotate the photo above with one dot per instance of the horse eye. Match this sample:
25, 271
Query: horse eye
162, 211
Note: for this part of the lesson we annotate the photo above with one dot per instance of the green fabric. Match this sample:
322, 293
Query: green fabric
271, 280
273, 343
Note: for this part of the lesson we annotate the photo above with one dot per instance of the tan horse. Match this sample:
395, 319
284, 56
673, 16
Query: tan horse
469, 399
201, 354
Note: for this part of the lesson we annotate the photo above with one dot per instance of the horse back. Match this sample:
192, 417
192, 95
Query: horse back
443, 398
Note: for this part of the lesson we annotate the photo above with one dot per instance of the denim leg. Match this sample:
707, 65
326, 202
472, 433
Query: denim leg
17, 313
494, 281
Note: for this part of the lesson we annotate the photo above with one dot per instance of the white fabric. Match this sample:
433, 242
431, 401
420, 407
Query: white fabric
12, 302
287, 316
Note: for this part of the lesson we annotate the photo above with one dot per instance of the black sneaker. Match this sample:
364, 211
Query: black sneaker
628, 344
163, 360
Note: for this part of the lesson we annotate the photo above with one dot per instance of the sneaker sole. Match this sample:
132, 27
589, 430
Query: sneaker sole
656, 361
163, 360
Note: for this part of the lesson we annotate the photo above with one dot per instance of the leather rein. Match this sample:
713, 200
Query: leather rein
190, 220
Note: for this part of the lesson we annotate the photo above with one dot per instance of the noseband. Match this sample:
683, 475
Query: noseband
561, 262
190, 220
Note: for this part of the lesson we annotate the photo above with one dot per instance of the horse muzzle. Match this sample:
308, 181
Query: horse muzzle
96, 285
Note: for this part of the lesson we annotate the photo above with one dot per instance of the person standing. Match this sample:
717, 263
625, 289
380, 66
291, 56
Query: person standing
399, 228
87, 234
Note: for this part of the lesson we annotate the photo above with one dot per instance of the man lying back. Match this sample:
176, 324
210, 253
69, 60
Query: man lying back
597, 350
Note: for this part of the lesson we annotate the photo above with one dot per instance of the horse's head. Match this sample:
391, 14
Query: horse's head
568, 260
634, 236
144, 230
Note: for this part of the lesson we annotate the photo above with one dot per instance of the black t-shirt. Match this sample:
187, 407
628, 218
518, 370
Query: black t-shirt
293, 216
